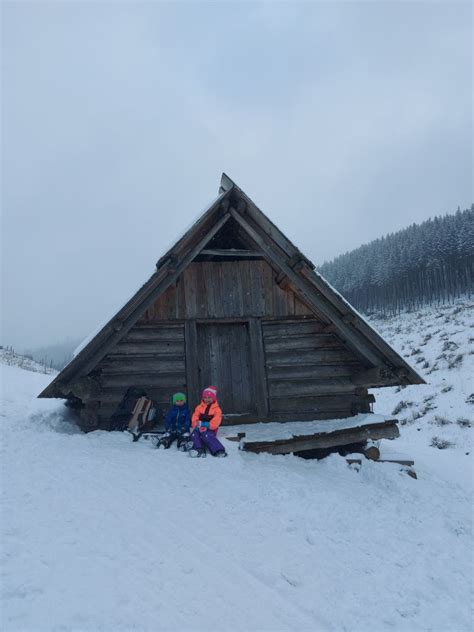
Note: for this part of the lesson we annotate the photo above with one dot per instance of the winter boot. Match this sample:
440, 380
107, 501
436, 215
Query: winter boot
184, 443
165, 442
221, 453
196, 453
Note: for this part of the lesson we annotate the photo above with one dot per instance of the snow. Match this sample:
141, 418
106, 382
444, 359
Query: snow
280, 431
439, 341
100, 534
25, 362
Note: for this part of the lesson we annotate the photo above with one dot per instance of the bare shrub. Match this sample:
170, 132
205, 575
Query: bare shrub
402, 404
441, 444
450, 345
457, 361
439, 420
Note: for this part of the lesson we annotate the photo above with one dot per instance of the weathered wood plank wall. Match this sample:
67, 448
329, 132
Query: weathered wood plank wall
149, 357
309, 371
297, 369
237, 289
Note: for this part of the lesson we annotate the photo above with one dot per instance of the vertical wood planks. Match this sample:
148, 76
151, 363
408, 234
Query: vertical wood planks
258, 368
192, 363
224, 359
226, 289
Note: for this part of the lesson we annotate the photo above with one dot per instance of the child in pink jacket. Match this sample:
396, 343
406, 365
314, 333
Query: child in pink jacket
205, 421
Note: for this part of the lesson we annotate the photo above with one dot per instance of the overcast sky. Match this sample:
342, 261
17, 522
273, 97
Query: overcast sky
342, 121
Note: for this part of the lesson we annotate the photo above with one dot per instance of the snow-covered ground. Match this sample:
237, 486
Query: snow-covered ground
438, 416
25, 362
102, 534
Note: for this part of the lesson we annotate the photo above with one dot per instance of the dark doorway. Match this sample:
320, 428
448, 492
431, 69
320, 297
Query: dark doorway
224, 362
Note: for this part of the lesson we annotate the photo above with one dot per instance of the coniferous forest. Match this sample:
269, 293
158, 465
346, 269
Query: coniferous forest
431, 262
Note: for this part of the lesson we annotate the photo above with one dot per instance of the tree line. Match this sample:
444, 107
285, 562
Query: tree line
431, 262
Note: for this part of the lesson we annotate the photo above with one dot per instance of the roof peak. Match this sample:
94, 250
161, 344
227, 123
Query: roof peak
226, 183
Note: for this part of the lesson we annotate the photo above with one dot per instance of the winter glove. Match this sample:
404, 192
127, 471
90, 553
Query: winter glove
203, 417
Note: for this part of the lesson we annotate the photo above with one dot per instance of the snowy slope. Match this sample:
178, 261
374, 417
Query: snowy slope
24, 362
101, 534
439, 342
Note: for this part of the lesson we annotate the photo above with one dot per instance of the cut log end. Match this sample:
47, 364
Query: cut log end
372, 453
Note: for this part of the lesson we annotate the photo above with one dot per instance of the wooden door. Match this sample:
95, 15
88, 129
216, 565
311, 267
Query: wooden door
224, 361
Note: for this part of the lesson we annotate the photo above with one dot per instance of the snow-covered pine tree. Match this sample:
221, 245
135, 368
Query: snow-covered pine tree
423, 263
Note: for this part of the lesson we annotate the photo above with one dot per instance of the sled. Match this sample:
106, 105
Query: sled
140, 416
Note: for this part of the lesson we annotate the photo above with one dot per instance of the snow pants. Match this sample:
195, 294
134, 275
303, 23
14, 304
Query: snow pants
206, 439
168, 438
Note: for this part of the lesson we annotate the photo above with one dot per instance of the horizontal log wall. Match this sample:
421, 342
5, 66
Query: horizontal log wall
151, 357
309, 371
237, 289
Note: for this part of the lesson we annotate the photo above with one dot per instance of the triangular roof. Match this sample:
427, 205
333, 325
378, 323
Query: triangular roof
388, 367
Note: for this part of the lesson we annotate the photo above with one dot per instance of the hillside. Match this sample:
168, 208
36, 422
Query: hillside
439, 342
102, 534
26, 362
57, 355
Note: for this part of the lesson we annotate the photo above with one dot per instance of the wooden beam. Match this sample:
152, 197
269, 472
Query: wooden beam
259, 374
192, 360
269, 228
282, 280
226, 184
346, 331
407, 462
230, 252
387, 430
89, 417
376, 376
86, 388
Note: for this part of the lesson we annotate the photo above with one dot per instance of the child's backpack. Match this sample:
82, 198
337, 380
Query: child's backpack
135, 413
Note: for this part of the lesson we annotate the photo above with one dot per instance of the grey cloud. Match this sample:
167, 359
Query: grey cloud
343, 121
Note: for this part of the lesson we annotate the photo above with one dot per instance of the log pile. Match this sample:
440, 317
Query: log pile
356, 439
325, 435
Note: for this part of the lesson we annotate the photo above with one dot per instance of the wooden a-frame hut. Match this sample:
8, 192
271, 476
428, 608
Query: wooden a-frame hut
234, 304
